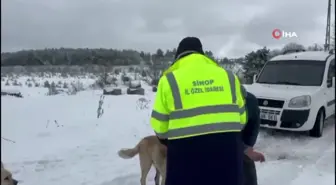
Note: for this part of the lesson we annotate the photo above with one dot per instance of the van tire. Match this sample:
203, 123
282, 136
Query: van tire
317, 130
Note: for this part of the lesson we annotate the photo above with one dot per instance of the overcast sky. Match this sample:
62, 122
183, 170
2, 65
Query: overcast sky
228, 28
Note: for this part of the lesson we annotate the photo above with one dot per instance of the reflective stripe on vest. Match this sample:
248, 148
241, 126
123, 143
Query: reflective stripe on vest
201, 129
180, 114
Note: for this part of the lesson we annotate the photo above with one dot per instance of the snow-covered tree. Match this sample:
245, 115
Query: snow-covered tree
254, 61
292, 47
274, 52
315, 47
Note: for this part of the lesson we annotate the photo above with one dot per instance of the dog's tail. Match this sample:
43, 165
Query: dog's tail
128, 153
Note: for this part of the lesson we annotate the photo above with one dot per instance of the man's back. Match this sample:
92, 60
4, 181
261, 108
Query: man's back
200, 110
206, 155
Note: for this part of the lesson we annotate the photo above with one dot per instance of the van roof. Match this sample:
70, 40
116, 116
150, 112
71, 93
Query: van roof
307, 55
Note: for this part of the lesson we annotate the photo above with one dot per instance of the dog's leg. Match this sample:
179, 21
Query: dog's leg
145, 164
163, 172
163, 180
157, 176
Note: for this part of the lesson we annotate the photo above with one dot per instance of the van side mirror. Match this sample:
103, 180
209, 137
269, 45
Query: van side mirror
331, 82
254, 78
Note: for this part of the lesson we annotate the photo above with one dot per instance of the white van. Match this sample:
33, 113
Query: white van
296, 91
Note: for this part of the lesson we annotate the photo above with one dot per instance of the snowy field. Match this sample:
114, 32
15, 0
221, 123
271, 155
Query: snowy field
58, 140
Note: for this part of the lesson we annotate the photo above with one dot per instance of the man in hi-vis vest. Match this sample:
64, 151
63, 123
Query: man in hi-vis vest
199, 111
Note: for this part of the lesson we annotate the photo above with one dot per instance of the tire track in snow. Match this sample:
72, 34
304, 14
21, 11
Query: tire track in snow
321, 172
295, 146
298, 154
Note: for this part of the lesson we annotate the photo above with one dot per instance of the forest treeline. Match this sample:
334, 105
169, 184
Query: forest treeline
75, 61
112, 57
70, 56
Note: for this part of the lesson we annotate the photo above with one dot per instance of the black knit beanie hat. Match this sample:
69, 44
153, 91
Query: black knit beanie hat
189, 44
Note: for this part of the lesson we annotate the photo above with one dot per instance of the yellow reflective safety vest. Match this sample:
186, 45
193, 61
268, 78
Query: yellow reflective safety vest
197, 97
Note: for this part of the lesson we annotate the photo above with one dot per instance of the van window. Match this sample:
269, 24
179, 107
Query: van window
293, 72
331, 70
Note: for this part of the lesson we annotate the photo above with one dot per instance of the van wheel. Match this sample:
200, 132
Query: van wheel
317, 130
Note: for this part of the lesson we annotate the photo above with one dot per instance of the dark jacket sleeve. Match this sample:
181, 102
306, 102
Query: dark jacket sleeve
251, 130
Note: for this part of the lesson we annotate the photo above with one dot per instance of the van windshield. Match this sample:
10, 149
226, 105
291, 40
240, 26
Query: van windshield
294, 72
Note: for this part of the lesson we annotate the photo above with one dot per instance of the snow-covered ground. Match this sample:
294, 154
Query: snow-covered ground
58, 140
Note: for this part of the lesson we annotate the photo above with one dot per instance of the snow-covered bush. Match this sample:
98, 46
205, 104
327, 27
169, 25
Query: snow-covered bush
75, 87
143, 73
65, 85
125, 79
117, 71
135, 84
46, 84
52, 89
16, 83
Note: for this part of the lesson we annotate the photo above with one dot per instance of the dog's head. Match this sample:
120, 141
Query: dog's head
6, 177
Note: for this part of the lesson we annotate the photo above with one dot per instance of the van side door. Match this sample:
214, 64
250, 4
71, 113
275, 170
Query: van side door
330, 91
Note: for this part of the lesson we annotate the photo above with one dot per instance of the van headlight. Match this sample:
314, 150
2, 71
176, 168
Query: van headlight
300, 101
